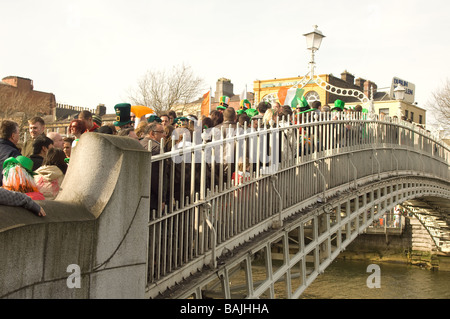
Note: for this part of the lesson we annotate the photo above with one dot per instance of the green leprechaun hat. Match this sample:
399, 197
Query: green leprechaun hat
244, 105
154, 118
338, 105
181, 121
223, 102
23, 161
251, 112
123, 111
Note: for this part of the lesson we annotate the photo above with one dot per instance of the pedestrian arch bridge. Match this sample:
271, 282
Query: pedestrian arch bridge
194, 231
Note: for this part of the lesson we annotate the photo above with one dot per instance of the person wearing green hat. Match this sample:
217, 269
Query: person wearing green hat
251, 112
244, 105
338, 106
303, 106
18, 176
153, 118
304, 109
339, 128
304, 113
23, 161
181, 121
123, 116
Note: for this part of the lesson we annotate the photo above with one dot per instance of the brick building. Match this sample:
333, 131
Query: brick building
383, 101
18, 94
19, 101
314, 92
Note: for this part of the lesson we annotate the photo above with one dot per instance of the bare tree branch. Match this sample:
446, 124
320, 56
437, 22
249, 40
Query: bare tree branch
21, 104
162, 90
440, 105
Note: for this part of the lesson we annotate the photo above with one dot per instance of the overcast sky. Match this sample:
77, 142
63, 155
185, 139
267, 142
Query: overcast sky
91, 52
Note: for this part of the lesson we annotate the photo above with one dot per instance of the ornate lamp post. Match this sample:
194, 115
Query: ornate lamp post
313, 42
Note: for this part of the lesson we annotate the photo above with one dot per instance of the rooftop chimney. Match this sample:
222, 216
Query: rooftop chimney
359, 82
18, 82
348, 77
369, 86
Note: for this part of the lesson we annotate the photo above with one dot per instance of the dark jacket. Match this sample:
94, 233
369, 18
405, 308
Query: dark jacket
7, 149
155, 189
37, 161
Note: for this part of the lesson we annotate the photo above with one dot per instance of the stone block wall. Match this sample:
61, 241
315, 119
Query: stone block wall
98, 222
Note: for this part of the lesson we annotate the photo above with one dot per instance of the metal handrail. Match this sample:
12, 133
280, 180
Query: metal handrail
246, 205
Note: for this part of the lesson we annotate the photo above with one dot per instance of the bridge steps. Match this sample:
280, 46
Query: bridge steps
423, 250
421, 240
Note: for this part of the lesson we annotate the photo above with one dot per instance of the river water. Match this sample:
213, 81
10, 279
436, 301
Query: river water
347, 279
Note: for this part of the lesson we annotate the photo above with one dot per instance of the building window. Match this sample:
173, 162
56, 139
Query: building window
312, 96
420, 119
385, 111
412, 116
406, 113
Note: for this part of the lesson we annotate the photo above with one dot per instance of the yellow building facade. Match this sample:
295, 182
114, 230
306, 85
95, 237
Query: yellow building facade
383, 102
263, 88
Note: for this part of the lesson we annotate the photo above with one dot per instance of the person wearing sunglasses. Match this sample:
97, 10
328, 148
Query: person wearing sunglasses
76, 129
154, 132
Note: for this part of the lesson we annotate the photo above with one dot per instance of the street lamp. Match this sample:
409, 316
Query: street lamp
313, 41
399, 93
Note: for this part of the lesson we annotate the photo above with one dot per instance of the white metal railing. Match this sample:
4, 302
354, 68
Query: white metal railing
291, 163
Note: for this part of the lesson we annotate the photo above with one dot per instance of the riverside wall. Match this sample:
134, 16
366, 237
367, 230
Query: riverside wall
414, 246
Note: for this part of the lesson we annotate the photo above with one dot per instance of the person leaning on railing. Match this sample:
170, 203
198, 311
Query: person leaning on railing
10, 198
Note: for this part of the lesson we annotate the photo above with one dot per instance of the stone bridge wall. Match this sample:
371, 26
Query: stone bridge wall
98, 222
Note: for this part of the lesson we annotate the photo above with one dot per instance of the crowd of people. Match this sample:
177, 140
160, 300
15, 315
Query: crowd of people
166, 131
37, 167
